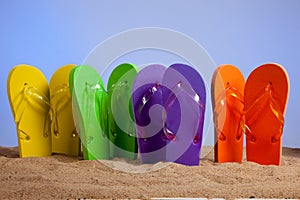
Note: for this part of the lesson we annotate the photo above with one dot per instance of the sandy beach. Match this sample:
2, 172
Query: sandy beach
63, 177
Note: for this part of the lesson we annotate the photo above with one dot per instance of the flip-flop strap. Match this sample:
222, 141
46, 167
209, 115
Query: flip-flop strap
114, 88
100, 100
61, 97
266, 99
144, 101
90, 98
169, 103
222, 103
38, 97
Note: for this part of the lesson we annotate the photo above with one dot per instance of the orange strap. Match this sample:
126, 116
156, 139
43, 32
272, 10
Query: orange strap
222, 103
267, 99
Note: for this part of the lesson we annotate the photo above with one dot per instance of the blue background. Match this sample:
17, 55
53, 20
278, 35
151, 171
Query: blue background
49, 34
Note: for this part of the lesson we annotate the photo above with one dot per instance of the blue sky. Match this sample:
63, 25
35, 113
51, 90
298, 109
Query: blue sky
49, 34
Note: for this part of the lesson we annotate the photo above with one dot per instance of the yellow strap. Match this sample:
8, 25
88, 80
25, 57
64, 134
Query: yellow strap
61, 98
26, 94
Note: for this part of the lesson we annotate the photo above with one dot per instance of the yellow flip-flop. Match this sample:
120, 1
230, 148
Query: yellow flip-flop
28, 94
65, 139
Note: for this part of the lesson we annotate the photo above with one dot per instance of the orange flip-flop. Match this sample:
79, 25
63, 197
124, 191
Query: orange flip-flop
266, 95
228, 103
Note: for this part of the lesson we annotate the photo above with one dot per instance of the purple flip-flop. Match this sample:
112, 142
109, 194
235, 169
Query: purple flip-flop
147, 101
184, 116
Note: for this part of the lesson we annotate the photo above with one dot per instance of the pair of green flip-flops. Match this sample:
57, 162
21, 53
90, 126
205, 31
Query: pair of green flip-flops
104, 118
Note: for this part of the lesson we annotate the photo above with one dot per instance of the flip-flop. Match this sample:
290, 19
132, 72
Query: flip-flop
228, 103
120, 115
90, 111
77, 117
147, 105
65, 139
28, 94
266, 96
185, 107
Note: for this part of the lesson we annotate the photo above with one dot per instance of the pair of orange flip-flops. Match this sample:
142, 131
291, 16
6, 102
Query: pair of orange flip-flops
255, 108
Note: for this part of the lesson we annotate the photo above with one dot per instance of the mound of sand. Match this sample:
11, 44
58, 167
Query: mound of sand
68, 177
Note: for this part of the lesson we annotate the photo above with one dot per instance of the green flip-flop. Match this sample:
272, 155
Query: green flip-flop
120, 113
90, 111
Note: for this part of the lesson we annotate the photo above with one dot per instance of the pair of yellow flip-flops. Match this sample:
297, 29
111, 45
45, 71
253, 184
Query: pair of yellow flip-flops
42, 112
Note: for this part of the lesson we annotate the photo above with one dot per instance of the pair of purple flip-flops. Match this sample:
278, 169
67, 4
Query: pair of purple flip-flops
169, 106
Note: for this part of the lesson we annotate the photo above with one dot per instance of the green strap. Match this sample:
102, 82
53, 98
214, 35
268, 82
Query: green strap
130, 129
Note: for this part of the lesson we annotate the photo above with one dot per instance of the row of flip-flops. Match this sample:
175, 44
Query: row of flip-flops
157, 112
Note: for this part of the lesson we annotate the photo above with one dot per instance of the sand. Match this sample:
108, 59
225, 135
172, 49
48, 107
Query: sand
62, 177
